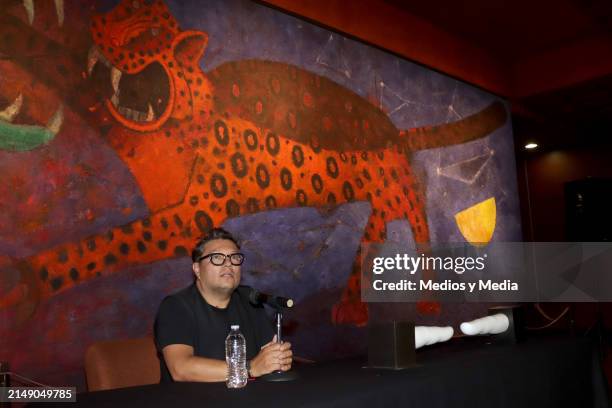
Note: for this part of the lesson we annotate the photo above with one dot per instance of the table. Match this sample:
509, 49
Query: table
540, 372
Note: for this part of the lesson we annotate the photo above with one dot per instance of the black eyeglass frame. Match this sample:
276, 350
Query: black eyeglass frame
224, 258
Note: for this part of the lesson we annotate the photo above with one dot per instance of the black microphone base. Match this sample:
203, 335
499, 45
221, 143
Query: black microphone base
278, 376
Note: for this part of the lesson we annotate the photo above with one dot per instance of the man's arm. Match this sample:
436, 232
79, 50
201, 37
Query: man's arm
184, 366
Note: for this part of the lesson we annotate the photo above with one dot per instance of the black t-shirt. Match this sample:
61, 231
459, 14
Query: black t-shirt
186, 318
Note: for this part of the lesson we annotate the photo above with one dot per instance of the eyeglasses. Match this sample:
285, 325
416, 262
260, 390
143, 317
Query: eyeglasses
218, 259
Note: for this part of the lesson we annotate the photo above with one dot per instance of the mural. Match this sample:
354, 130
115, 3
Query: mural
130, 128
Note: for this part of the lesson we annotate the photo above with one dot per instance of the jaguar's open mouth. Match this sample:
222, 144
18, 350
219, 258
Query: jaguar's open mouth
141, 101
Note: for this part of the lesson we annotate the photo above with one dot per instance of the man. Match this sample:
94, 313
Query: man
192, 324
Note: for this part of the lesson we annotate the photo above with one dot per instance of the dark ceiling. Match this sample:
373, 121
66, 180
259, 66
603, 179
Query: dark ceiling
578, 113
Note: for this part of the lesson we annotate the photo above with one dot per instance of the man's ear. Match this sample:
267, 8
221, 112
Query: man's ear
189, 46
196, 269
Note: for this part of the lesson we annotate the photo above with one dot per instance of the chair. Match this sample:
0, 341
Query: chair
121, 363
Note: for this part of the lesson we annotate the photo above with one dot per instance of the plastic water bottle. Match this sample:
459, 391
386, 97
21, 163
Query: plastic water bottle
235, 356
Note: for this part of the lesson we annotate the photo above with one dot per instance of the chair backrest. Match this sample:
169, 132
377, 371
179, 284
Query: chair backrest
121, 363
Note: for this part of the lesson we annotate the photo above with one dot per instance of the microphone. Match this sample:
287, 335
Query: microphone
278, 302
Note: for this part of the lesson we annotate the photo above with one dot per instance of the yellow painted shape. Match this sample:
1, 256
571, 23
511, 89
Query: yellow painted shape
477, 223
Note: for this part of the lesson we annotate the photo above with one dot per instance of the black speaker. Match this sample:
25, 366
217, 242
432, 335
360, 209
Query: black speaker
516, 329
587, 207
391, 345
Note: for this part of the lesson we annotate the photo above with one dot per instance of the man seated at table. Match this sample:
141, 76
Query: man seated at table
192, 324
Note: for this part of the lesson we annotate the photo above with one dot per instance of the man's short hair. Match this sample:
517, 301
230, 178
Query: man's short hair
215, 233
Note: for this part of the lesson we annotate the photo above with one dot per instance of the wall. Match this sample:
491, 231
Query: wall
131, 130
542, 204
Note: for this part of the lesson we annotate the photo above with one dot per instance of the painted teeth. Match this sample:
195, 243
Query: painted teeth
135, 115
59, 9
13, 109
93, 57
150, 114
115, 78
55, 123
29, 6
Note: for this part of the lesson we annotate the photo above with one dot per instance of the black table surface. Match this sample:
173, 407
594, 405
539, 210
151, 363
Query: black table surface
540, 372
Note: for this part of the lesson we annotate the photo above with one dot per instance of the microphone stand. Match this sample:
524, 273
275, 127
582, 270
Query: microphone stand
280, 375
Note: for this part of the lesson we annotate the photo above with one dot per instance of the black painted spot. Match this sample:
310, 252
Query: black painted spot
91, 244
347, 191
380, 155
200, 179
110, 259
381, 171
221, 133
364, 156
194, 200
331, 199
218, 185
57, 283
203, 221
178, 221
332, 167
147, 236
353, 159
301, 198
127, 229
146, 222
317, 183
272, 144
44, 273
164, 223
411, 205
74, 274
91, 266
405, 191
162, 245
180, 251
262, 176
297, 155
314, 144
252, 205
343, 157
285, 176
366, 175
270, 202
239, 165
62, 255
124, 248
142, 248
250, 138
359, 182
394, 175
232, 209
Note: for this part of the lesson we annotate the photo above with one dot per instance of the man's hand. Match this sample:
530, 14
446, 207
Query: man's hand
272, 357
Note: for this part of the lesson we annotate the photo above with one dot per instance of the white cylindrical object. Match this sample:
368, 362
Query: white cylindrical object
427, 335
493, 324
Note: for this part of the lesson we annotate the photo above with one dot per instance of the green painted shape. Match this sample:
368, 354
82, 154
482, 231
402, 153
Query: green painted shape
21, 138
